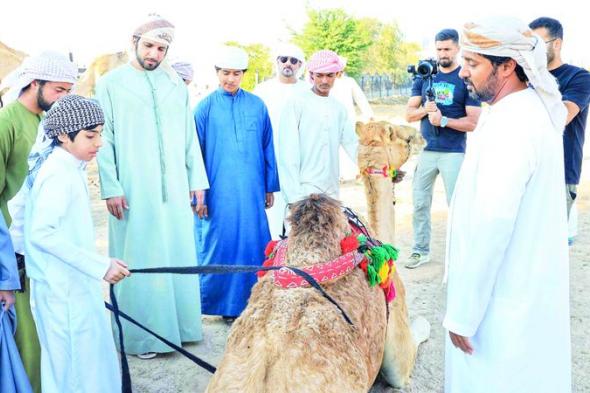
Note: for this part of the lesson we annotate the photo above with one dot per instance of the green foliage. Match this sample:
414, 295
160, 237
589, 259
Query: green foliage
389, 54
369, 45
260, 65
335, 30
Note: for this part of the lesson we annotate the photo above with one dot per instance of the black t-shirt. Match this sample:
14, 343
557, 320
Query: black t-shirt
451, 98
574, 85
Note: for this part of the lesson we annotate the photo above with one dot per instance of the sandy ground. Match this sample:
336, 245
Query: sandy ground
425, 294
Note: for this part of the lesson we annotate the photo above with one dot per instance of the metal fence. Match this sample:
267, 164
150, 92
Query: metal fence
383, 85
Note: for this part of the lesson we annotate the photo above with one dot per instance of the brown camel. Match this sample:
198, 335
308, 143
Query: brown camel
99, 66
295, 341
383, 149
10, 59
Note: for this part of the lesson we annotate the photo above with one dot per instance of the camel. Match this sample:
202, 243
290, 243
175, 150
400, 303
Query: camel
10, 59
291, 340
383, 149
99, 66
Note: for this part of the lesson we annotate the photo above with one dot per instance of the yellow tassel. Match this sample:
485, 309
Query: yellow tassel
383, 272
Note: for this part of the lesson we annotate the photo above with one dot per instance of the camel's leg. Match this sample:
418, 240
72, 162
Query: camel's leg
400, 342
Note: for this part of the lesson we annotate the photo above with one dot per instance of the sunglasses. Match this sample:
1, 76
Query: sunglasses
284, 59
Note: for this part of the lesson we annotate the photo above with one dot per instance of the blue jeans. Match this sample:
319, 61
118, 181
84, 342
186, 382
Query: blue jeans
430, 164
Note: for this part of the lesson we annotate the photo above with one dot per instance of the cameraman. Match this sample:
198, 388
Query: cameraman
443, 124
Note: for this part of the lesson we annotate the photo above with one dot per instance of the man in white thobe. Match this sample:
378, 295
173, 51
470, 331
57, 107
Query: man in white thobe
275, 92
507, 257
313, 126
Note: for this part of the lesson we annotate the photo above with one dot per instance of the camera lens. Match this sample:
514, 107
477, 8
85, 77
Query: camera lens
424, 68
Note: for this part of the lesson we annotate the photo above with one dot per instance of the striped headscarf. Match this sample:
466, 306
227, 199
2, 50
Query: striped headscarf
157, 29
510, 37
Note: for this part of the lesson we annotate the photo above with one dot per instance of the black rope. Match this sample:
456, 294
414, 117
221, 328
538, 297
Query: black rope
183, 351
210, 269
357, 222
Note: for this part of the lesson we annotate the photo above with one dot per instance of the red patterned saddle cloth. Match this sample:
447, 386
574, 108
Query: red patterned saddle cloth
321, 272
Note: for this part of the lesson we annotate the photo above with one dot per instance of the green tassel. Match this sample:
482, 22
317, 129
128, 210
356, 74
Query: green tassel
392, 252
372, 275
362, 239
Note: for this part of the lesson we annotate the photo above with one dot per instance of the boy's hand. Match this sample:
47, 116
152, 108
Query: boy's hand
115, 205
117, 271
7, 297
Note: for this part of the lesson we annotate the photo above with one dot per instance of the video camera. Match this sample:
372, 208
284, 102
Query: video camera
425, 70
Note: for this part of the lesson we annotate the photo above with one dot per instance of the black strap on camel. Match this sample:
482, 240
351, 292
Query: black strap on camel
211, 269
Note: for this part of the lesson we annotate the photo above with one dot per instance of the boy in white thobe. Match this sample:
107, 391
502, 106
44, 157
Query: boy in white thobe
77, 349
508, 283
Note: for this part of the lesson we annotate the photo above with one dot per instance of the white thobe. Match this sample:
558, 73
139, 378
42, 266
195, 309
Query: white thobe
77, 349
507, 256
16, 206
311, 131
349, 93
274, 94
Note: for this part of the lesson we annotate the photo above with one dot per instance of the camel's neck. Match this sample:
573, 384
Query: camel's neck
380, 206
305, 251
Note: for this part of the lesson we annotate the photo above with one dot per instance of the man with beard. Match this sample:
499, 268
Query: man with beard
444, 123
36, 85
150, 169
507, 257
275, 92
574, 85
313, 127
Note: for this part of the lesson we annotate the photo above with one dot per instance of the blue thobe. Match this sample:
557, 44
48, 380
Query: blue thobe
13, 378
235, 134
9, 279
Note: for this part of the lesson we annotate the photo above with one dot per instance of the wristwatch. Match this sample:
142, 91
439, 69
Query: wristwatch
444, 121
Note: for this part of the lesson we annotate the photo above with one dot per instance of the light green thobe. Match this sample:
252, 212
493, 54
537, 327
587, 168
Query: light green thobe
151, 156
18, 129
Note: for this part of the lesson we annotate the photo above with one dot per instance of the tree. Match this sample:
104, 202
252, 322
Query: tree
389, 54
260, 66
335, 30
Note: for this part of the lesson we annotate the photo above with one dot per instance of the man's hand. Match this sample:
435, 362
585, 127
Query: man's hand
399, 176
201, 208
461, 342
117, 271
7, 297
269, 200
192, 197
115, 205
430, 106
435, 117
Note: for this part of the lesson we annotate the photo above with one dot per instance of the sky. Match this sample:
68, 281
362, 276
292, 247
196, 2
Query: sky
91, 28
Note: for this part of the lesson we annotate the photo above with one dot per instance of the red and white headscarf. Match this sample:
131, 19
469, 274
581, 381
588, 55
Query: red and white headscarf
325, 62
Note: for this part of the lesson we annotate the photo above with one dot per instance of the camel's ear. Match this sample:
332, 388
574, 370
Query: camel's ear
391, 132
359, 128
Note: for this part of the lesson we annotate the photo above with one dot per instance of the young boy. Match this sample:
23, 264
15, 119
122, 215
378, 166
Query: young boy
77, 348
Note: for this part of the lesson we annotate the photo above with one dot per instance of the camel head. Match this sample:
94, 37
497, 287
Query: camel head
382, 143
318, 224
99, 66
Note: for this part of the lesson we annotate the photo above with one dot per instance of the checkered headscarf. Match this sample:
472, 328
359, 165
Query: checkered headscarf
325, 61
47, 66
72, 113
